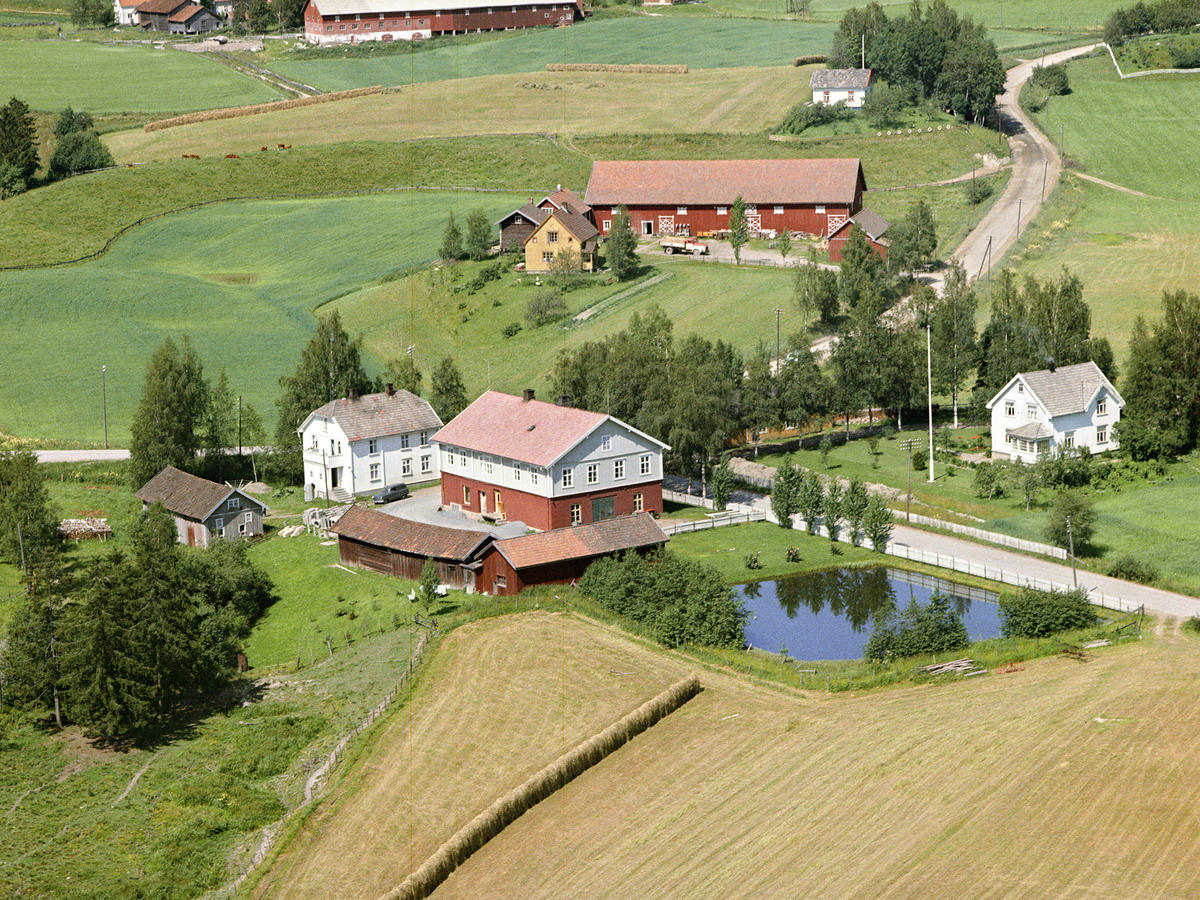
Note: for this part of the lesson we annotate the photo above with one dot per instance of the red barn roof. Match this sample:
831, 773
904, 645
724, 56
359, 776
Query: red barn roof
161, 7
713, 182
581, 541
186, 13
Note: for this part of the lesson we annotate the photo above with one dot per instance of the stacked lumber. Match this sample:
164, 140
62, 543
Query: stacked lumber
962, 667
85, 529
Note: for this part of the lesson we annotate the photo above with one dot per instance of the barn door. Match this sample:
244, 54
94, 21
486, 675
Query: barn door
666, 224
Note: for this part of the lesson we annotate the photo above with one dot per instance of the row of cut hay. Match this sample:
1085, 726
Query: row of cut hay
645, 69
237, 112
810, 60
495, 818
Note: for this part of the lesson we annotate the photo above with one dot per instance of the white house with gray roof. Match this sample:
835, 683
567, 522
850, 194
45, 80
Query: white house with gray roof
849, 86
359, 445
1069, 407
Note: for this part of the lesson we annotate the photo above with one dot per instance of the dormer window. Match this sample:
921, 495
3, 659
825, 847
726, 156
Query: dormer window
1102, 406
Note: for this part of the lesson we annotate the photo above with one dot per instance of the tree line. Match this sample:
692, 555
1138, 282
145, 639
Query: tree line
77, 147
1157, 17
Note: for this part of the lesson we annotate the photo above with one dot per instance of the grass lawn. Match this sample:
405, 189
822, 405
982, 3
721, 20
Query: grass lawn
229, 276
742, 99
698, 43
1153, 51
952, 214
111, 79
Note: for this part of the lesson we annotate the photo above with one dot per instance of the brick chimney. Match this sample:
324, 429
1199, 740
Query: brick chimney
390, 389
528, 394
564, 399
353, 394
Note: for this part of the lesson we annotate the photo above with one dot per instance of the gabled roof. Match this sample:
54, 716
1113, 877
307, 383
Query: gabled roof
1032, 431
188, 495
378, 415
579, 227
530, 431
405, 536
581, 541
840, 79
533, 214
717, 182
1065, 389
187, 13
869, 221
161, 7
568, 201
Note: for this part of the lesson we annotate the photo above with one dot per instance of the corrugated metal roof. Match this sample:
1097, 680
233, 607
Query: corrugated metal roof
405, 536
379, 415
582, 541
717, 182
840, 79
188, 495
401, 7
1068, 389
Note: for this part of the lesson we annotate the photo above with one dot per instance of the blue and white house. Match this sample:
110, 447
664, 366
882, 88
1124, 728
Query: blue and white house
1069, 408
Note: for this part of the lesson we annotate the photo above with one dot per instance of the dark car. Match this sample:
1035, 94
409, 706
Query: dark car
394, 492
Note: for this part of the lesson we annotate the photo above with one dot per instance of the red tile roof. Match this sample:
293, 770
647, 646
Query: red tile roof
161, 7
187, 12
531, 431
417, 538
582, 541
717, 182
568, 200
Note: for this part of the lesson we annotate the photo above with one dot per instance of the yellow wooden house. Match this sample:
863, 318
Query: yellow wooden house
561, 232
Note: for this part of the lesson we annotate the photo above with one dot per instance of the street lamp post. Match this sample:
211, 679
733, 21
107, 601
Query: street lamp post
104, 401
929, 385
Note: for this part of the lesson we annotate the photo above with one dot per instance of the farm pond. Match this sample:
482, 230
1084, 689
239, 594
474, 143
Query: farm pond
831, 615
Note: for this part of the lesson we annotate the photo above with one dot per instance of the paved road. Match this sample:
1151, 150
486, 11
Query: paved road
1035, 168
76, 456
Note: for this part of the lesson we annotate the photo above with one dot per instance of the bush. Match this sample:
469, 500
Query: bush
1184, 56
1131, 568
681, 602
978, 190
1052, 79
989, 481
79, 151
1192, 625
920, 460
1036, 614
11, 182
511, 329
808, 115
1077, 510
546, 307
918, 630
751, 560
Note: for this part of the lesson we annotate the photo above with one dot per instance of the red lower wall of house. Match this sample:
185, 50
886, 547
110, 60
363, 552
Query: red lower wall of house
555, 573
545, 513
369, 26
804, 219
838, 244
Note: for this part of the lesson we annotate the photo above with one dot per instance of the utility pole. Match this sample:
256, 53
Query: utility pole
54, 664
908, 447
778, 361
929, 383
1045, 165
239, 424
1019, 216
864, 50
21, 545
1071, 546
104, 401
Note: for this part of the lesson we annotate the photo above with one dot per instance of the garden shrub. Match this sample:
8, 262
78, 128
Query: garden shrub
808, 115
920, 460
1035, 614
546, 307
1053, 79
917, 630
511, 329
1131, 568
978, 190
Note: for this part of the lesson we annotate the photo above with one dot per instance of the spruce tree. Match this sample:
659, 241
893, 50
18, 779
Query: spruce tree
18, 138
739, 231
621, 247
452, 240
478, 242
167, 427
404, 375
448, 394
28, 520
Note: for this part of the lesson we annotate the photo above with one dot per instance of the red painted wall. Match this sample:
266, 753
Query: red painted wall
544, 513
317, 27
804, 219
555, 573
838, 244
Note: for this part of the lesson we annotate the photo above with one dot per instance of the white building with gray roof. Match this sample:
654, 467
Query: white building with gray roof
1069, 407
360, 445
849, 86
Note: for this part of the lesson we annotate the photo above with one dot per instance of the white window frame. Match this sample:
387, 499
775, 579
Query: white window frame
639, 503
1068, 441
406, 467
820, 210
607, 224
606, 443
249, 517
1010, 408
489, 465
219, 526
593, 473
235, 503
618, 469
1102, 406
517, 472
722, 210
778, 210
242, 529
576, 513
404, 441
1030, 411
533, 475
373, 472
426, 464
681, 210
568, 477
372, 446
1101, 434
644, 465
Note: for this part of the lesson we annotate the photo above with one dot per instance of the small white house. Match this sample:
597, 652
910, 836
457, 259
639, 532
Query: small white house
125, 11
1072, 407
360, 445
849, 86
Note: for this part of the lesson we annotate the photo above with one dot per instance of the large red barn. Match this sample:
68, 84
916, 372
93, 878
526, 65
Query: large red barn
810, 196
351, 21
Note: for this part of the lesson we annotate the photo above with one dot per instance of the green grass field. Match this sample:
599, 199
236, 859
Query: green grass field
697, 43
112, 79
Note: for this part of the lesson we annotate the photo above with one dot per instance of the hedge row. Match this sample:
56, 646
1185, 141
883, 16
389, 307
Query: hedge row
617, 67
237, 112
810, 60
507, 809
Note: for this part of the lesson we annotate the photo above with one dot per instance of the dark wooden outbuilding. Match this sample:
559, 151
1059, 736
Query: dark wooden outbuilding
562, 555
399, 547
518, 225
204, 510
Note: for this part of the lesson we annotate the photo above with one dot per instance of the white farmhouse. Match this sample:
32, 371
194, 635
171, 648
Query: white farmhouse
1072, 407
849, 86
125, 11
359, 445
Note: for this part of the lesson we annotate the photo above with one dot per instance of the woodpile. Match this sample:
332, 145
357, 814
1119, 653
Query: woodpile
237, 112
85, 529
962, 667
641, 68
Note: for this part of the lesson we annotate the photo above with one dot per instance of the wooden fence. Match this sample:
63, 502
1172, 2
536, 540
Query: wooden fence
717, 520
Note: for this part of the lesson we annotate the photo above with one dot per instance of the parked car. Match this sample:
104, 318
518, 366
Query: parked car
390, 493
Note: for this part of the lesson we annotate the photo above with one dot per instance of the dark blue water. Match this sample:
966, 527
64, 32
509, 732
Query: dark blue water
830, 615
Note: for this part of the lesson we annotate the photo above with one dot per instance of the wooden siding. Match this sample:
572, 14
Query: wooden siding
402, 565
515, 234
425, 23
545, 513
796, 218
496, 566
838, 244
539, 243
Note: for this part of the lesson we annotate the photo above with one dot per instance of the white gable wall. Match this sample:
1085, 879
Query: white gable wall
361, 467
853, 99
1082, 430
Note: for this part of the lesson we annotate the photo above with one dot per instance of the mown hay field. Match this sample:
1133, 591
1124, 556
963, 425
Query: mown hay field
500, 699
733, 100
1062, 778
50, 75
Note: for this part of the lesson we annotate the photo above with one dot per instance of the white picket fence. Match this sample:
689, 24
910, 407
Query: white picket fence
740, 517
991, 537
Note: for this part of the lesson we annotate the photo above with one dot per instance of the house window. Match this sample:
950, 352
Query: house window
235, 503
619, 469
219, 526
568, 478
681, 210
332, 447
466, 495
551, 237
779, 210
426, 466
462, 458
1010, 439
242, 530
372, 446
1030, 412
487, 465
638, 504
1020, 388
593, 473
614, 210
1010, 408
404, 441
850, 96
1102, 434
825, 96
406, 467
606, 443
547, 256
644, 464
501, 582
314, 442
424, 438
249, 517
533, 475
1101, 406
607, 223
517, 472
722, 210
1069, 440
374, 470
576, 513
647, 227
